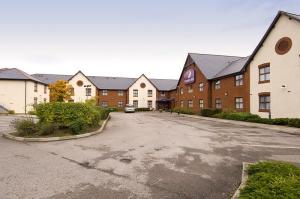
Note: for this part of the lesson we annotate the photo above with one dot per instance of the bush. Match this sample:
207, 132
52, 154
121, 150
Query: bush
239, 116
142, 109
31, 112
209, 112
47, 128
280, 121
77, 126
272, 179
64, 114
184, 111
25, 127
294, 122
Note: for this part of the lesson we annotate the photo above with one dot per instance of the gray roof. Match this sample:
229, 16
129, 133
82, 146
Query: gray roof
211, 65
51, 78
232, 67
16, 74
295, 16
110, 83
164, 84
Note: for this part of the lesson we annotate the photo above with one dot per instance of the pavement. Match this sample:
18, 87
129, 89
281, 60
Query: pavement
141, 155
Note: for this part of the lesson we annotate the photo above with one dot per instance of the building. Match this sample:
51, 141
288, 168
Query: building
275, 69
20, 91
118, 91
213, 81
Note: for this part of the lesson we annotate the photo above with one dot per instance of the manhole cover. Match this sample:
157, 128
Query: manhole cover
126, 160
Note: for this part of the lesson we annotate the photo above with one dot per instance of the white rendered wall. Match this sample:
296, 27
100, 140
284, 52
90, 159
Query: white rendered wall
79, 91
284, 70
143, 93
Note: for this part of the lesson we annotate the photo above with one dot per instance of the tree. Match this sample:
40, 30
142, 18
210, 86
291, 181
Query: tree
60, 91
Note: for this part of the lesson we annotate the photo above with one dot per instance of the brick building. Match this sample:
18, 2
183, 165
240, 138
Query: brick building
213, 81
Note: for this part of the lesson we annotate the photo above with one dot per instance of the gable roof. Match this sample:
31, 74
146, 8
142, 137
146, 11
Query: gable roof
215, 66
16, 74
143, 75
110, 83
232, 68
164, 84
279, 14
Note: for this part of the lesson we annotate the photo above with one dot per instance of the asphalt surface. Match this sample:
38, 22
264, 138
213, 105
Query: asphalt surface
141, 155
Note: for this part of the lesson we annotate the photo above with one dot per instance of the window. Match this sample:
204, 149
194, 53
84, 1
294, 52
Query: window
264, 102
190, 89
264, 73
201, 86
239, 103
72, 91
104, 104
135, 93
217, 84
149, 93
181, 104
104, 92
163, 93
135, 103
218, 103
120, 104
35, 87
45, 100
190, 103
120, 93
181, 91
239, 80
150, 104
201, 103
35, 101
45, 89
88, 91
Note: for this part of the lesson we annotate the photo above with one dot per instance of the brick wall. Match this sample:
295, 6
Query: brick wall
112, 98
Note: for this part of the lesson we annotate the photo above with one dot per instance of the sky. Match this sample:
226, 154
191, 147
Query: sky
129, 38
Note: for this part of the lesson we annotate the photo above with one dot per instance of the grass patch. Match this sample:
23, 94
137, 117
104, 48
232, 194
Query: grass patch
272, 179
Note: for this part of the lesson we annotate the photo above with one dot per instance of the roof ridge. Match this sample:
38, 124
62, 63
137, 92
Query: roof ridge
285, 12
215, 55
111, 77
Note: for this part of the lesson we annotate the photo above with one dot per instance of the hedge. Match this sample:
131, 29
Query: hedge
209, 112
183, 111
65, 114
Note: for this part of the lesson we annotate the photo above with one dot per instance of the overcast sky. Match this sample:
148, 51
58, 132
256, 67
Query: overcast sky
128, 38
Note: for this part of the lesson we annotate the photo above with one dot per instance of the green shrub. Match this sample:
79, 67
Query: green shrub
239, 116
272, 179
11, 112
280, 121
25, 127
209, 112
142, 109
64, 114
31, 112
77, 126
294, 122
184, 111
47, 128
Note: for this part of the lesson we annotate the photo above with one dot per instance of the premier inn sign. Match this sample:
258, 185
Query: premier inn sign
189, 76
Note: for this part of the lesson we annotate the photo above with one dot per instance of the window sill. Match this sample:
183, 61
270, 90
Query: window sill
263, 82
264, 110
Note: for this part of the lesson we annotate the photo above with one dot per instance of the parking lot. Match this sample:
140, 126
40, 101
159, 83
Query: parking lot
141, 155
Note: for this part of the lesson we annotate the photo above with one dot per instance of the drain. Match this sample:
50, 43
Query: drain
126, 160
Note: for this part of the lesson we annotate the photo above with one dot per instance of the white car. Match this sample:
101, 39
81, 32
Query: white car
129, 108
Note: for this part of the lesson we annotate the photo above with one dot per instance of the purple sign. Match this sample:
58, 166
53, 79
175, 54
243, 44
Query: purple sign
189, 76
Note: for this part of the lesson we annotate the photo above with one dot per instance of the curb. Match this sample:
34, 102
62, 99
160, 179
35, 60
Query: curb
243, 181
283, 129
50, 139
